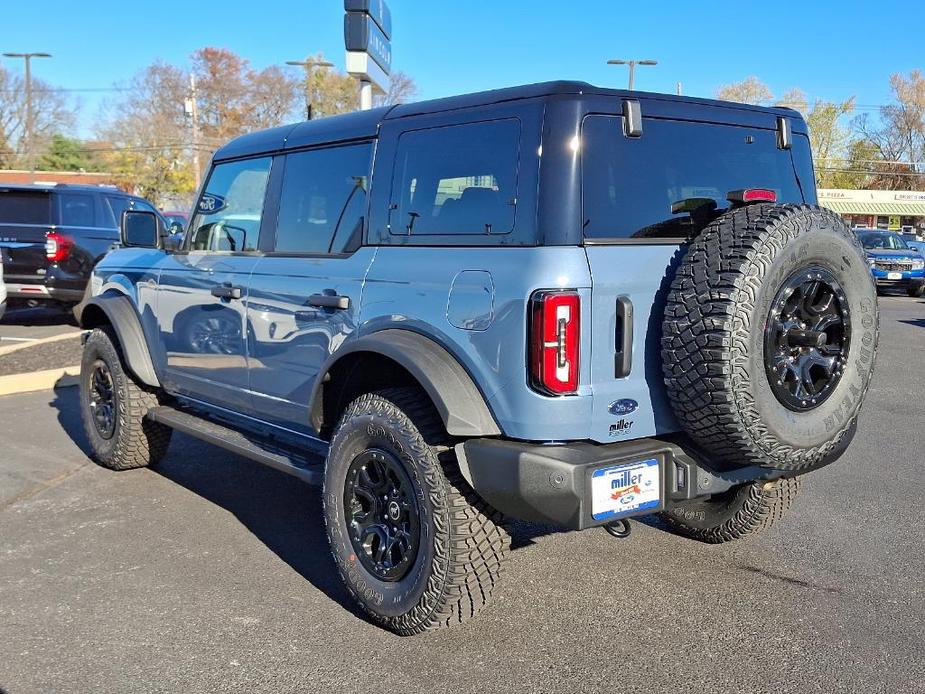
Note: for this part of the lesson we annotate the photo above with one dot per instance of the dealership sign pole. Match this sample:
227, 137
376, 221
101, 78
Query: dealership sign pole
368, 38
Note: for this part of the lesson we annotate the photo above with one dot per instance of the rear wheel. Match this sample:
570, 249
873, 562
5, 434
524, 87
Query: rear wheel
740, 511
414, 545
114, 408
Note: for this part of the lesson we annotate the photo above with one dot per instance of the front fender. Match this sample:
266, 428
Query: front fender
119, 311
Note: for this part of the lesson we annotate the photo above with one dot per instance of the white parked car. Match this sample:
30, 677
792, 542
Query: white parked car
2, 293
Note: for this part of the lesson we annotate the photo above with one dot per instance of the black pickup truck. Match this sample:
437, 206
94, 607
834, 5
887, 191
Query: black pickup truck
51, 237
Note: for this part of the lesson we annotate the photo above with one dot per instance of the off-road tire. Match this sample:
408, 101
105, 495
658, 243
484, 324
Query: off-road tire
136, 441
713, 336
463, 544
741, 511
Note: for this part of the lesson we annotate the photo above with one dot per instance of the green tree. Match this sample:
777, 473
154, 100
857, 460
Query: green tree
831, 141
67, 154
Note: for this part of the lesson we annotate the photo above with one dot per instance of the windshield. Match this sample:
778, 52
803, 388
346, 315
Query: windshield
883, 242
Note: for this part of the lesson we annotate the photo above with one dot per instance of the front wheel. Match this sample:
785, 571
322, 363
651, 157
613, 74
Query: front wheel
916, 289
114, 408
416, 548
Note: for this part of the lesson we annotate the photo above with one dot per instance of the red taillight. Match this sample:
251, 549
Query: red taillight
555, 327
57, 246
751, 195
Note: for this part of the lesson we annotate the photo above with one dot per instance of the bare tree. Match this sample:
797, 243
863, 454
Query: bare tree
51, 114
899, 137
402, 89
146, 140
794, 98
751, 90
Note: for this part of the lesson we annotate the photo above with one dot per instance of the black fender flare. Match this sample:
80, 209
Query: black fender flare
454, 394
123, 317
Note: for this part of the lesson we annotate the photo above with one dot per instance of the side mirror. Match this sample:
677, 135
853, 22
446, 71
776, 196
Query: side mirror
141, 229
173, 242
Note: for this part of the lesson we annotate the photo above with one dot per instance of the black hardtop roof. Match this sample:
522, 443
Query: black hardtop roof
365, 124
79, 187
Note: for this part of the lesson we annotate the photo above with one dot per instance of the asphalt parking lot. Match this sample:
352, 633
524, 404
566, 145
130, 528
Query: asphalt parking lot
211, 574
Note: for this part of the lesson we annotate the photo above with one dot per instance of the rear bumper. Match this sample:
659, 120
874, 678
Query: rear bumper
551, 483
42, 292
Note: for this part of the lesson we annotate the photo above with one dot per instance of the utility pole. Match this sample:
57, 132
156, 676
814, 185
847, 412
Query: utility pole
366, 95
192, 110
28, 126
308, 65
632, 64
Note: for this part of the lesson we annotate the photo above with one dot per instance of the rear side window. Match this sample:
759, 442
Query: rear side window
674, 180
323, 200
25, 207
230, 208
459, 179
76, 209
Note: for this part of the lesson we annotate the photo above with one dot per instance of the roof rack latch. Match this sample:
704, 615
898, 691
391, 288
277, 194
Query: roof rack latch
632, 118
784, 136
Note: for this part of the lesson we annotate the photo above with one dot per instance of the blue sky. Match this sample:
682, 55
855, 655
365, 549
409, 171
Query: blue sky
831, 50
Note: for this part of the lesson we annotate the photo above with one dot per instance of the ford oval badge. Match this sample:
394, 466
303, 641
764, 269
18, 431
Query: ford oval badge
624, 406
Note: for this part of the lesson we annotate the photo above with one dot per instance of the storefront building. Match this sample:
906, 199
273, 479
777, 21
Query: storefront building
896, 210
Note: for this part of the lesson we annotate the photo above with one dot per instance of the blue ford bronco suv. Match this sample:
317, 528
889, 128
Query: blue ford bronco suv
556, 303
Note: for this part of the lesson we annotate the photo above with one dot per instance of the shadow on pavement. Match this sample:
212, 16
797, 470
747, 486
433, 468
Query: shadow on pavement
282, 512
67, 402
917, 322
39, 316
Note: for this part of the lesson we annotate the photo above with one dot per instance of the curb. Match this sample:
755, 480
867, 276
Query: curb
41, 341
39, 380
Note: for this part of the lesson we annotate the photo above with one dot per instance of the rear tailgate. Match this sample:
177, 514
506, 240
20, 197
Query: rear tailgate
25, 219
641, 198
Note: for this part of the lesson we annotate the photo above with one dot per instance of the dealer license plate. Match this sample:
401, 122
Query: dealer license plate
622, 489
894, 275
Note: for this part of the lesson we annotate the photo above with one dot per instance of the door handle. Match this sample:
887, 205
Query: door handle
226, 291
623, 337
329, 301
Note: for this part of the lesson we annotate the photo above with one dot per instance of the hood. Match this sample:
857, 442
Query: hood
893, 255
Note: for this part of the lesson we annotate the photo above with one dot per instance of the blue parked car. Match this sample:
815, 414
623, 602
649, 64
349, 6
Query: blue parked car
554, 303
893, 262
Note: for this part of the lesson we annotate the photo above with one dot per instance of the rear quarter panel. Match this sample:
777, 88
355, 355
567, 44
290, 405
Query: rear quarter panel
409, 288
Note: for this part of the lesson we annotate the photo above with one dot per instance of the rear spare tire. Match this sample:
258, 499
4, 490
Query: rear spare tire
769, 336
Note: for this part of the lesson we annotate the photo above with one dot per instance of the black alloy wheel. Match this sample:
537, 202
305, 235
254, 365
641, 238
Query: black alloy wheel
382, 514
103, 399
806, 339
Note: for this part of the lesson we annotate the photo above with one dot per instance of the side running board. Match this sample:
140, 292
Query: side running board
306, 465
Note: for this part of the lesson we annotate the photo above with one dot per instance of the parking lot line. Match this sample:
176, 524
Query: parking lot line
34, 342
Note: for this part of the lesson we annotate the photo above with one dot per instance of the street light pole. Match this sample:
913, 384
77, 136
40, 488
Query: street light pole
28, 126
309, 64
632, 65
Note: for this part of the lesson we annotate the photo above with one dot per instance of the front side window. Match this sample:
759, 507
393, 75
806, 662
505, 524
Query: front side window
230, 208
76, 209
323, 200
675, 179
458, 179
